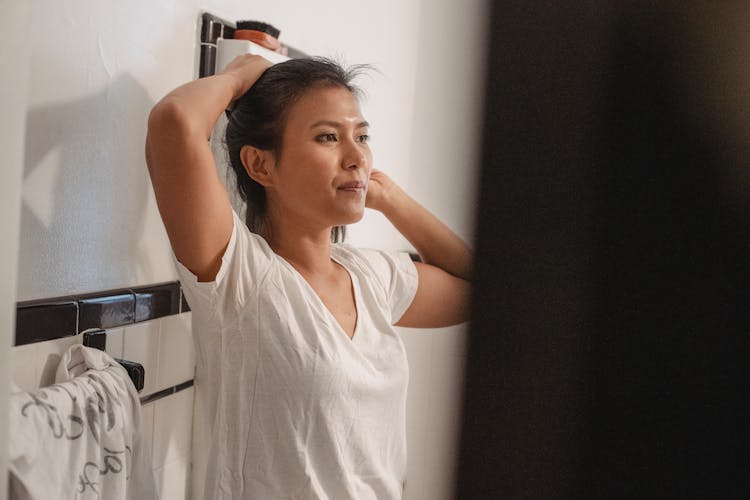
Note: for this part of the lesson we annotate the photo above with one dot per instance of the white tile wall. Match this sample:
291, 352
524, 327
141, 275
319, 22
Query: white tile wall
419, 351
451, 341
147, 427
176, 362
172, 480
433, 412
115, 342
168, 421
164, 347
173, 425
23, 367
35, 365
444, 409
141, 345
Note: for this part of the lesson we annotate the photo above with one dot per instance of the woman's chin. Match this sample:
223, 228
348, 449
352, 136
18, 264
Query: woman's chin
352, 214
344, 214
354, 218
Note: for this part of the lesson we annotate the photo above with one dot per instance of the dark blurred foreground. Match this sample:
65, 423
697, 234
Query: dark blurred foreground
610, 340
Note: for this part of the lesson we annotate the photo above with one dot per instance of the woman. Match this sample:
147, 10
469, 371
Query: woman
303, 373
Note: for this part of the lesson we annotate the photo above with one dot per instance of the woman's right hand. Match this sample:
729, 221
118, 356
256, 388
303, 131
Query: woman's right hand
246, 69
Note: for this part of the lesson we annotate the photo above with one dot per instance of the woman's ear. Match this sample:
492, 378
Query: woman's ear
258, 164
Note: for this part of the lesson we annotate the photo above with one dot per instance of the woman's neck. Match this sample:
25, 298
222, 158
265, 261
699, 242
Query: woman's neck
306, 248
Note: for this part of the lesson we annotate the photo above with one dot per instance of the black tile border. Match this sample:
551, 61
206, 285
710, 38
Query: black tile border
59, 317
166, 392
184, 306
36, 320
108, 310
211, 29
156, 301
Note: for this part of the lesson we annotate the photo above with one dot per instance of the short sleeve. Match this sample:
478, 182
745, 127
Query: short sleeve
244, 263
398, 276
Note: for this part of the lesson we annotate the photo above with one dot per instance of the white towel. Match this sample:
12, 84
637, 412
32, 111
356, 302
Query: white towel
80, 438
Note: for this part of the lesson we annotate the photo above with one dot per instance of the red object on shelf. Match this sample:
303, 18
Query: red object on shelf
262, 39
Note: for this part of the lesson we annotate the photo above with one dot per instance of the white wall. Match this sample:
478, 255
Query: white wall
14, 52
96, 70
88, 216
448, 97
442, 175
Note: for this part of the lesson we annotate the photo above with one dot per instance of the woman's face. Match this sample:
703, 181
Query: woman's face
321, 174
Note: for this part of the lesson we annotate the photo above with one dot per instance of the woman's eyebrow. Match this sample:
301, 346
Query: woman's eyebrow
335, 124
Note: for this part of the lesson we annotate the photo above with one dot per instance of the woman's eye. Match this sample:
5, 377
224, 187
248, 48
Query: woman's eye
327, 137
364, 138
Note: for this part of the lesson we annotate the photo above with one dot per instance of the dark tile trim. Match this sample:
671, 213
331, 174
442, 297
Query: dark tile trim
213, 28
184, 306
156, 301
166, 392
40, 320
108, 310
48, 319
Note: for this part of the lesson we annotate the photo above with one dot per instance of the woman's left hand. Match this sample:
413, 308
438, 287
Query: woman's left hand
446, 266
380, 190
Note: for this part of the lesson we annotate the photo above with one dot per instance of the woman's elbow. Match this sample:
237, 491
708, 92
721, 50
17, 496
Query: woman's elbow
165, 115
167, 127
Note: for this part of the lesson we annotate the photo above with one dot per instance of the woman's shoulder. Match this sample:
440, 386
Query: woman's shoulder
370, 261
245, 260
249, 239
353, 254
390, 275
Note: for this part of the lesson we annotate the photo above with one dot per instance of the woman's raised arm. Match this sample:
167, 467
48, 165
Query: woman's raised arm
442, 297
192, 200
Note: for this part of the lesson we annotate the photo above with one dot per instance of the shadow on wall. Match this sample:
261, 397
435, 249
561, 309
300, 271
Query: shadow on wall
85, 190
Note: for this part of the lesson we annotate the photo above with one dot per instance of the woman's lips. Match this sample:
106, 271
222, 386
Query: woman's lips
352, 186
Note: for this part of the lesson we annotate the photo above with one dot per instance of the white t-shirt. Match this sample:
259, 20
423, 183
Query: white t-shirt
294, 408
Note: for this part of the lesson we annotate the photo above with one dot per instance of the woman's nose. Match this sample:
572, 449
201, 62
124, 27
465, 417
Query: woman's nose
355, 157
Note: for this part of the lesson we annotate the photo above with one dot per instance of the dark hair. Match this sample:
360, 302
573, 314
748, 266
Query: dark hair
259, 117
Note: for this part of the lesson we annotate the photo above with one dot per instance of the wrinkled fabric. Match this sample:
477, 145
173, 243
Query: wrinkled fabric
293, 408
81, 437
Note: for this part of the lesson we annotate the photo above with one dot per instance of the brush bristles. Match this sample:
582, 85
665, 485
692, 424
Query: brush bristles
258, 26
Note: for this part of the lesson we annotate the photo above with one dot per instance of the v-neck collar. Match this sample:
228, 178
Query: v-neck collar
332, 318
